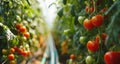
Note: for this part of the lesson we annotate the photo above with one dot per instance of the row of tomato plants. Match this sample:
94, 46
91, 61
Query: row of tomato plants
91, 28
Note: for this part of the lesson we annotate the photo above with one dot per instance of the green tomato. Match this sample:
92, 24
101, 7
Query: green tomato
83, 40
81, 19
67, 31
90, 60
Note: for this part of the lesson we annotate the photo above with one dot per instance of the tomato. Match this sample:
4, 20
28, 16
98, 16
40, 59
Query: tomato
72, 56
89, 9
112, 57
12, 62
97, 20
23, 29
25, 53
27, 34
17, 25
89, 60
20, 51
93, 46
4, 51
81, 19
87, 24
23, 38
83, 39
11, 57
97, 39
12, 50
104, 35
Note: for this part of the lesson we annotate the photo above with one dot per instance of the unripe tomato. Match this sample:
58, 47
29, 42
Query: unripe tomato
93, 46
83, 39
72, 56
27, 34
97, 20
81, 19
11, 57
89, 60
112, 57
12, 50
12, 62
87, 24
17, 25
22, 29
4, 51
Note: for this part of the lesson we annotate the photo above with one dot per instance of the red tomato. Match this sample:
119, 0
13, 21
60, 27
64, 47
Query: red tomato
17, 25
112, 57
25, 53
72, 56
20, 51
22, 29
27, 34
89, 9
93, 46
97, 20
12, 50
87, 24
12, 62
11, 57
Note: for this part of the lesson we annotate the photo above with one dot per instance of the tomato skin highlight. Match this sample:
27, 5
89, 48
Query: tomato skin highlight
87, 24
97, 20
93, 46
112, 57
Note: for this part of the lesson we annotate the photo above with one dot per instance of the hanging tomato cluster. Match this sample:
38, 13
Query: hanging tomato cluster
19, 30
92, 30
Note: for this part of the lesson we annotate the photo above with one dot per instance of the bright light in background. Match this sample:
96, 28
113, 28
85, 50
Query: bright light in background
49, 13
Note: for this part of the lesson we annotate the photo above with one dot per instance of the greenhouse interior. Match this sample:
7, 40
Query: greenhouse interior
59, 31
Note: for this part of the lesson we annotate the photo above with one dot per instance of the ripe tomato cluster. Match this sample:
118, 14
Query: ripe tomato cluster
22, 29
11, 53
95, 21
